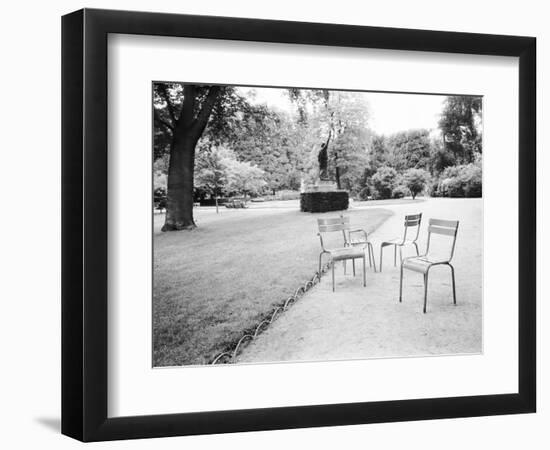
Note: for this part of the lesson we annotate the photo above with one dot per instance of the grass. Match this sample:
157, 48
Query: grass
214, 282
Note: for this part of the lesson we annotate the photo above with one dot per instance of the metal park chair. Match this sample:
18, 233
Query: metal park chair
344, 253
409, 238
441, 256
358, 237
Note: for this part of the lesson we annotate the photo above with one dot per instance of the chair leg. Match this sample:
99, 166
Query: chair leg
416, 246
345, 266
401, 254
395, 256
368, 250
371, 250
320, 258
364, 271
332, 266
453, 277
381, 248
401, 285
425, 291
353, 264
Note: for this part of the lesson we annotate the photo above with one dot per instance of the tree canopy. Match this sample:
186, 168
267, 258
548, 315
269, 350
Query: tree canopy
221, 140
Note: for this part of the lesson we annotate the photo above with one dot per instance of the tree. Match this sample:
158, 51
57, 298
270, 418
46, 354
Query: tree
339, 121
440, 157
185, 111
349, 115
460, 124
244, 178
415, 180
269, 140
383, 181
409, 149
352, 157
211, 170
378, 152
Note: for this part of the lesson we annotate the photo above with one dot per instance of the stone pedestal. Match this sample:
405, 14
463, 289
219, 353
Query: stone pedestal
323, 197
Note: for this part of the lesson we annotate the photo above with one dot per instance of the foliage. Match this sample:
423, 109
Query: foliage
339, 119
244, 178
460, 125
227, 112
408, 149
440, 157
283, 145
365, 193
211, 170
415, 180
270, 140
159, 197
349, 155
160, 180
377, 153
399, 191
383, 182
461, 181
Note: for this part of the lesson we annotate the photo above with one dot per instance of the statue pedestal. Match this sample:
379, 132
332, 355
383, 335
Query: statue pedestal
323, 197
322, 186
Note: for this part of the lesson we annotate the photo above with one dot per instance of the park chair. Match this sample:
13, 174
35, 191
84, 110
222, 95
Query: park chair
358, 237
336, 224
447, 229
410, 237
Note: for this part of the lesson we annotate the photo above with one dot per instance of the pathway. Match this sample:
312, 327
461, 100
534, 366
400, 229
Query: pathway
358, 322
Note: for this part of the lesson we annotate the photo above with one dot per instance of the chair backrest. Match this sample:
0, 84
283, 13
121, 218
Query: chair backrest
446, 228
333, 224
330, 224
412, 221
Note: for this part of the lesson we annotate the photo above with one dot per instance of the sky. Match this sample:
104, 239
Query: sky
390, 113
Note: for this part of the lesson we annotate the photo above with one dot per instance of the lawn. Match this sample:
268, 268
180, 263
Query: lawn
213, 283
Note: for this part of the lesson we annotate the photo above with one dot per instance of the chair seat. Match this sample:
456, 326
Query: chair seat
358, 241
338, 254
398, 241
421, 263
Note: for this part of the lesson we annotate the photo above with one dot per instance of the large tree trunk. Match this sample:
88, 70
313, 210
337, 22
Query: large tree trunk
187, 130
179, 207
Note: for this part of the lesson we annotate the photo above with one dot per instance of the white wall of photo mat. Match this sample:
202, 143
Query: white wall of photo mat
136, 388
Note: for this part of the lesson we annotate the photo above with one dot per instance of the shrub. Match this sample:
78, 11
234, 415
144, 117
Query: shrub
472, 180
159, 198
461, 181
288, 195
365, 193
415, 180
384, 181
451, 187
399, 191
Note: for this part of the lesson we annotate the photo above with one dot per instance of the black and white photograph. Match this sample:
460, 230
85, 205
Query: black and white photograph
298, 224
275, 225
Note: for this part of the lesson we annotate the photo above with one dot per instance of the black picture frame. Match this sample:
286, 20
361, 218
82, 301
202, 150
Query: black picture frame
84, 224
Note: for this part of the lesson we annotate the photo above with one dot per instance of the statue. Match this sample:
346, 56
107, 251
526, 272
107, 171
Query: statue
324, 195
322, 157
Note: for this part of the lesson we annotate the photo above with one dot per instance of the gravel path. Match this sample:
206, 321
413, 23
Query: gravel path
358, 322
